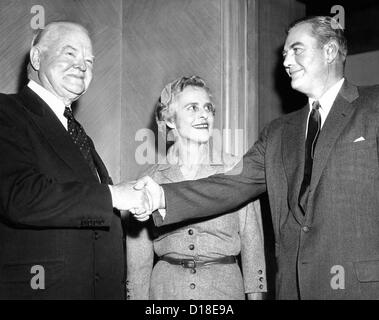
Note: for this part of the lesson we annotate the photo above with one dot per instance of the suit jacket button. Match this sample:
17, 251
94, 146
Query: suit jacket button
193, 270
305, 229
192, 286
261, 286
191, 247
190, 232
97, 236
260, 271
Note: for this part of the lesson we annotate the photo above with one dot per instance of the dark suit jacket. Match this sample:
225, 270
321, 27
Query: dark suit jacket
333, 251
53, 210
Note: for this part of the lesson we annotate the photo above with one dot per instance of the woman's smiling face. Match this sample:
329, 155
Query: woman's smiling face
193, 115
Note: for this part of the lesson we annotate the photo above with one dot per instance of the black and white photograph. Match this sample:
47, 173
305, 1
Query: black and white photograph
200, 156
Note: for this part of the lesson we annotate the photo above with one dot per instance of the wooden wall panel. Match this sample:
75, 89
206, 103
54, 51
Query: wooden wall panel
164, 40
99, 109
16, 35
236, 105
275, 94
252, 62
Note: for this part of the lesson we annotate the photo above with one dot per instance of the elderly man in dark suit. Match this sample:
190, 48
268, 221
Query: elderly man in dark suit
320, 168
59, 235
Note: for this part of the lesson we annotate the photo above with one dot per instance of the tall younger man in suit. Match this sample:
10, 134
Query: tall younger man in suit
320, 168
59, 236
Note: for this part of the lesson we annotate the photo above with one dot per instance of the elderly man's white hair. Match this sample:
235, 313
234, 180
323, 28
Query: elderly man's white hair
52, 32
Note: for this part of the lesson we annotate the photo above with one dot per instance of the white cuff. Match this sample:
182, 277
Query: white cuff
162, 212
111, 190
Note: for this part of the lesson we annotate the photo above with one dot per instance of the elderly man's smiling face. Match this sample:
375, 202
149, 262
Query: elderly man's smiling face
65, 63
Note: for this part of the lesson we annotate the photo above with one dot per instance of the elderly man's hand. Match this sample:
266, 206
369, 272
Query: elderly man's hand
154, 192
125, 197
155, 195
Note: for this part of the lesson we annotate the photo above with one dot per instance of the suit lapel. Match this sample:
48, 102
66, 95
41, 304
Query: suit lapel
100, 167
336, 121
57, 136
293, 148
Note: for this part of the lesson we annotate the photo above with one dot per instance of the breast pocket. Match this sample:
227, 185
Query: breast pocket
356, 146
356, 161
367, 271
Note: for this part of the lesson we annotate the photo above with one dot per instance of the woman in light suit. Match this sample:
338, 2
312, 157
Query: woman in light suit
200, 260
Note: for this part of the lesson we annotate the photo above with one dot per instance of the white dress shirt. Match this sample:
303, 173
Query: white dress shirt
326, 102
56, 105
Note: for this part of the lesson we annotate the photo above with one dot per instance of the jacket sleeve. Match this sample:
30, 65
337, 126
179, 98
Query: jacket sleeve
30, 198
252, 248
140, 258
219, 193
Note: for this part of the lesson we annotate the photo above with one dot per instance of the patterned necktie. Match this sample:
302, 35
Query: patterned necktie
314, 127
80, 138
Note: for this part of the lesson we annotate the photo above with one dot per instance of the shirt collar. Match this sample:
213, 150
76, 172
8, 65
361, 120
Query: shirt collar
46, 95
56, 105
327, 99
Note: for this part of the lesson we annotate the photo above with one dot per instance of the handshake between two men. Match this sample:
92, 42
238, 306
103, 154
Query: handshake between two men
140, 197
